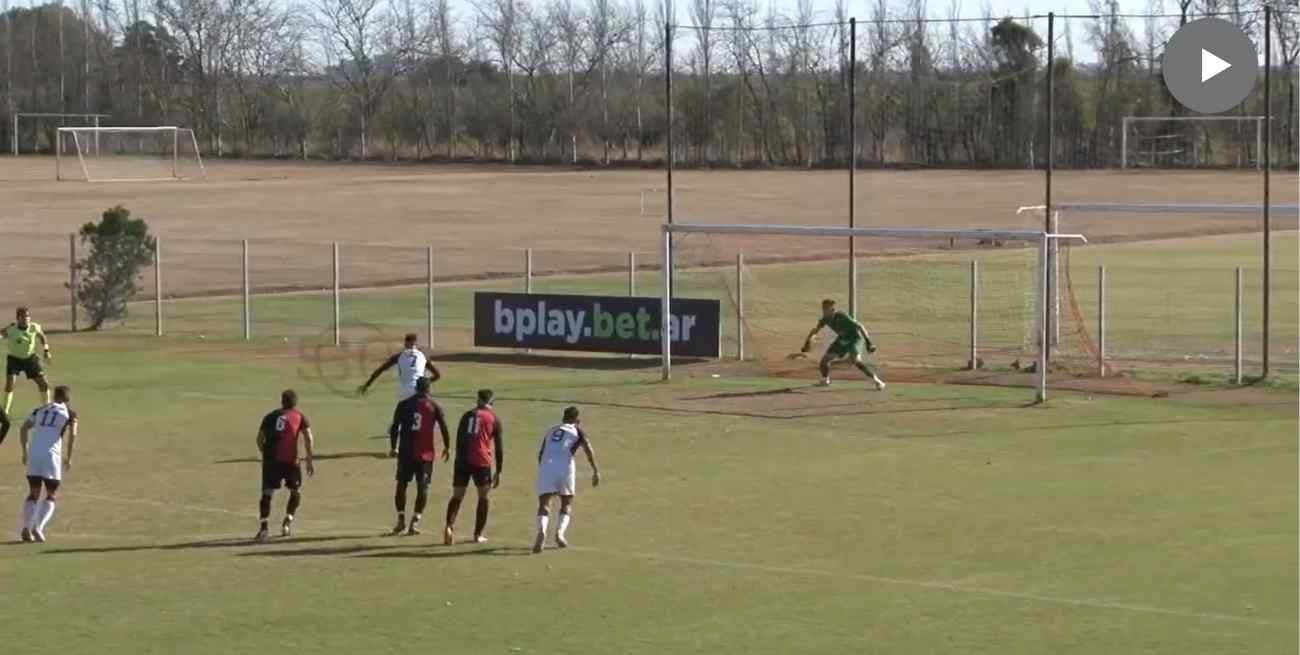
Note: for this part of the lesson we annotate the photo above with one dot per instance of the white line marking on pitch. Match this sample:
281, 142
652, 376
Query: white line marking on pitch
921, 584
943, 586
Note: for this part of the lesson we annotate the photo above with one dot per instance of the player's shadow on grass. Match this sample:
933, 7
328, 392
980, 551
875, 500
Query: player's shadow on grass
320, 456
443, 552
225, 542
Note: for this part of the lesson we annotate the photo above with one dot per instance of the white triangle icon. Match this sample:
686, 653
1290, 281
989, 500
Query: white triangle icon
1211, 65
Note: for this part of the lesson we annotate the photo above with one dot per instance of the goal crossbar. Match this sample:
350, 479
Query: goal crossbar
1171, 207
39, 114
1042, 241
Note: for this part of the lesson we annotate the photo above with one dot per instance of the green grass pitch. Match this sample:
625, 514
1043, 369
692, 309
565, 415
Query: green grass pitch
736, 516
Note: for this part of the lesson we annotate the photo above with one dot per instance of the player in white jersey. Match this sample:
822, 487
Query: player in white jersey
556, 474
47, 428
411, 365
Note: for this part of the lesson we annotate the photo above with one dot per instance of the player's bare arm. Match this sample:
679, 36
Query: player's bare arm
309, 443
807, 342
434, 373
395, 429
23, 435
446, 435
72, 440
45, 344
866, 337
391, 362
261, 442
500, 452
585, 444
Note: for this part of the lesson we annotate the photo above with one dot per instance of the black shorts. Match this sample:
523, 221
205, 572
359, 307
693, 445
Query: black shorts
481, 475
414, 469
37, 481
274, 473
31, 367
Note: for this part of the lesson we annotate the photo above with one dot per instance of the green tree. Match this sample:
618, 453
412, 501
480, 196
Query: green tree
117, 248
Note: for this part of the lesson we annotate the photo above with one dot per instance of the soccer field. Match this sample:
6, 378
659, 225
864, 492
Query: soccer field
737, 515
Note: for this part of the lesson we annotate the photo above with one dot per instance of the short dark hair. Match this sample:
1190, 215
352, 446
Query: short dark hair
570, 414
289, 399
411, 337
422, 385
828, 302
22, 309
62, 393
485, 397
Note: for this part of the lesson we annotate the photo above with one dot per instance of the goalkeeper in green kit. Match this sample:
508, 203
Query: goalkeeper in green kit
851, 340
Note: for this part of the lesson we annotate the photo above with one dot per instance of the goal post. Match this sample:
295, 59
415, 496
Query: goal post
87, 120
1172, 149
127, 154
1037, 240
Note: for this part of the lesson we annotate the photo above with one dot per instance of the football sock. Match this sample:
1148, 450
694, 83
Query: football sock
453, 508
563, 527
480, 517
29, 513
825, 369
44, 512
421, 499
295, 499
4, 426
866, 370
399, 499
542, 521
9, 401
264, 509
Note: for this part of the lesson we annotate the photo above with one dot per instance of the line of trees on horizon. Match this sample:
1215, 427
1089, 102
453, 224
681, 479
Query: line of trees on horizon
582, 81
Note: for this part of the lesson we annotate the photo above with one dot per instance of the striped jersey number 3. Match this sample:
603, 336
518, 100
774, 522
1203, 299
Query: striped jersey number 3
415, 422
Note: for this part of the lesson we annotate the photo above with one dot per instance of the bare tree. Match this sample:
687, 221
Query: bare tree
501, 20
704, 12
353, 36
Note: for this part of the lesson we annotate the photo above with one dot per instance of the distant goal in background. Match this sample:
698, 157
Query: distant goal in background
1192, 142
127, 154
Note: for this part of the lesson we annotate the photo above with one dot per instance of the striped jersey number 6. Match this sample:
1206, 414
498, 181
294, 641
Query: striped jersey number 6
280, 422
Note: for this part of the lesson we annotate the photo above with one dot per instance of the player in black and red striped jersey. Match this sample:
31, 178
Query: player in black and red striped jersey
277, 439
478, 447
411, 437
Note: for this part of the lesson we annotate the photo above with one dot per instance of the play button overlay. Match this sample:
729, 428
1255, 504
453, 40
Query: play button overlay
1210, 66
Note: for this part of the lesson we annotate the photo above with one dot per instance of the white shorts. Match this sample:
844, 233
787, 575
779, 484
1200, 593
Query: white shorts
556, 480
47, 466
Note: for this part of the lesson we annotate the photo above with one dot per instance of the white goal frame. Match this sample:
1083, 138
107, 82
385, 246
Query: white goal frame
34, 114
72, 132
1039, 239
1129, 120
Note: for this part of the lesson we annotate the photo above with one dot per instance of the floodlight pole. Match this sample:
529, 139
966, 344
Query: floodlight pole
853, 163
668, 100
1268, 166
1049, 215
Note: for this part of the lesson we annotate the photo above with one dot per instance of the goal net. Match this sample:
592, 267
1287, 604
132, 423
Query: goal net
36, 131
119, 154
1192, 141
934, 301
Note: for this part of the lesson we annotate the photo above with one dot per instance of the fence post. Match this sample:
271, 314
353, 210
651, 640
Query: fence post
1101, 321
338, 332
740, 306
72, 278
631, 273
528, 270
974, 314
1236, 314
429, 300
248, 314
157, 288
